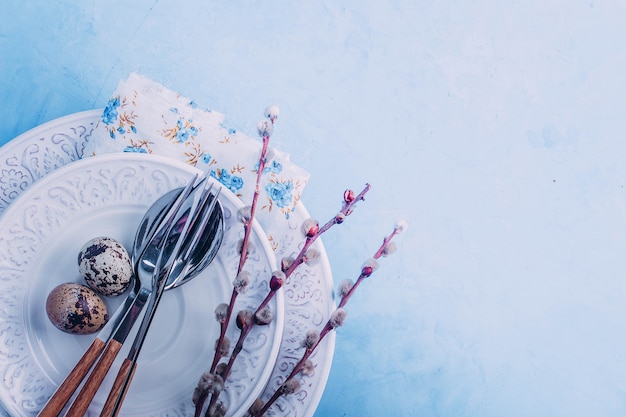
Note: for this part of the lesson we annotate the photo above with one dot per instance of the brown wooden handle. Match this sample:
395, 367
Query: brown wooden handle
81, 403
64, 392
119, 389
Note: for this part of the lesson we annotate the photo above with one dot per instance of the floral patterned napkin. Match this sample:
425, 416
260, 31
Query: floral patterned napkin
144, 116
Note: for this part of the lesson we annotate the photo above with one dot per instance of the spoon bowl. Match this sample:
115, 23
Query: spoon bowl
147, 228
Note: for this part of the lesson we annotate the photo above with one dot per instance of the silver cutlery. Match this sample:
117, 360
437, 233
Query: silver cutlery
203, 229
151, 239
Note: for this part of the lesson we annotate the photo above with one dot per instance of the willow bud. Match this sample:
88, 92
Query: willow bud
338, 318
401, 225
389, 248
217, 410
220, 312
256, 406
265, 128
244, 214
286, 263
369, 267
244, 319
220, 369
204, 385
271, 112
242, 281
308, 368
310, 227
348, 196
218, 383
224, 348
290, 386
263, 317
312, 257
344, 287
310, 339
249, 247
277, 280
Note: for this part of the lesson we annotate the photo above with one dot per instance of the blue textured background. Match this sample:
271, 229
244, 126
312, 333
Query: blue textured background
496, 128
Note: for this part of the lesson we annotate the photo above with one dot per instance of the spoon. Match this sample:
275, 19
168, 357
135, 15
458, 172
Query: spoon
149, 226
205, 229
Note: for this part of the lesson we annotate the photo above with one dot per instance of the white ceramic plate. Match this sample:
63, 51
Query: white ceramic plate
308, 295
43, 231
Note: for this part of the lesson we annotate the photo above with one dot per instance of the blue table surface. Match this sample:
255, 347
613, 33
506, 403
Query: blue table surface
496, 128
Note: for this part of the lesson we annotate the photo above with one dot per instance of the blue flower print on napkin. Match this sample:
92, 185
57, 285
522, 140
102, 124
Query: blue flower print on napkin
232, 182
273, 167
135, 149
280, 193
205, 158
109, 115
117, 123
184, 131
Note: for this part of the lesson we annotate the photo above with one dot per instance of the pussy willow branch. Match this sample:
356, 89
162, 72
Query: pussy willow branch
346, 210
247, 225
330, 325
312, 233
272, 114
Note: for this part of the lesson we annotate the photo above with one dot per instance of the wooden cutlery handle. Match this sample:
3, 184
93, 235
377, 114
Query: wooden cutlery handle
119, 388
64, 392
86, 394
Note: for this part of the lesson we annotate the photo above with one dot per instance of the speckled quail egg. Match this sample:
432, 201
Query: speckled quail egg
105, 265
77, 309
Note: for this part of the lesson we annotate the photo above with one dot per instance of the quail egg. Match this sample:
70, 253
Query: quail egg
105, 265
77, 309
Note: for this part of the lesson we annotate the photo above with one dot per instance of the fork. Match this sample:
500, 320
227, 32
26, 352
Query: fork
179, 268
